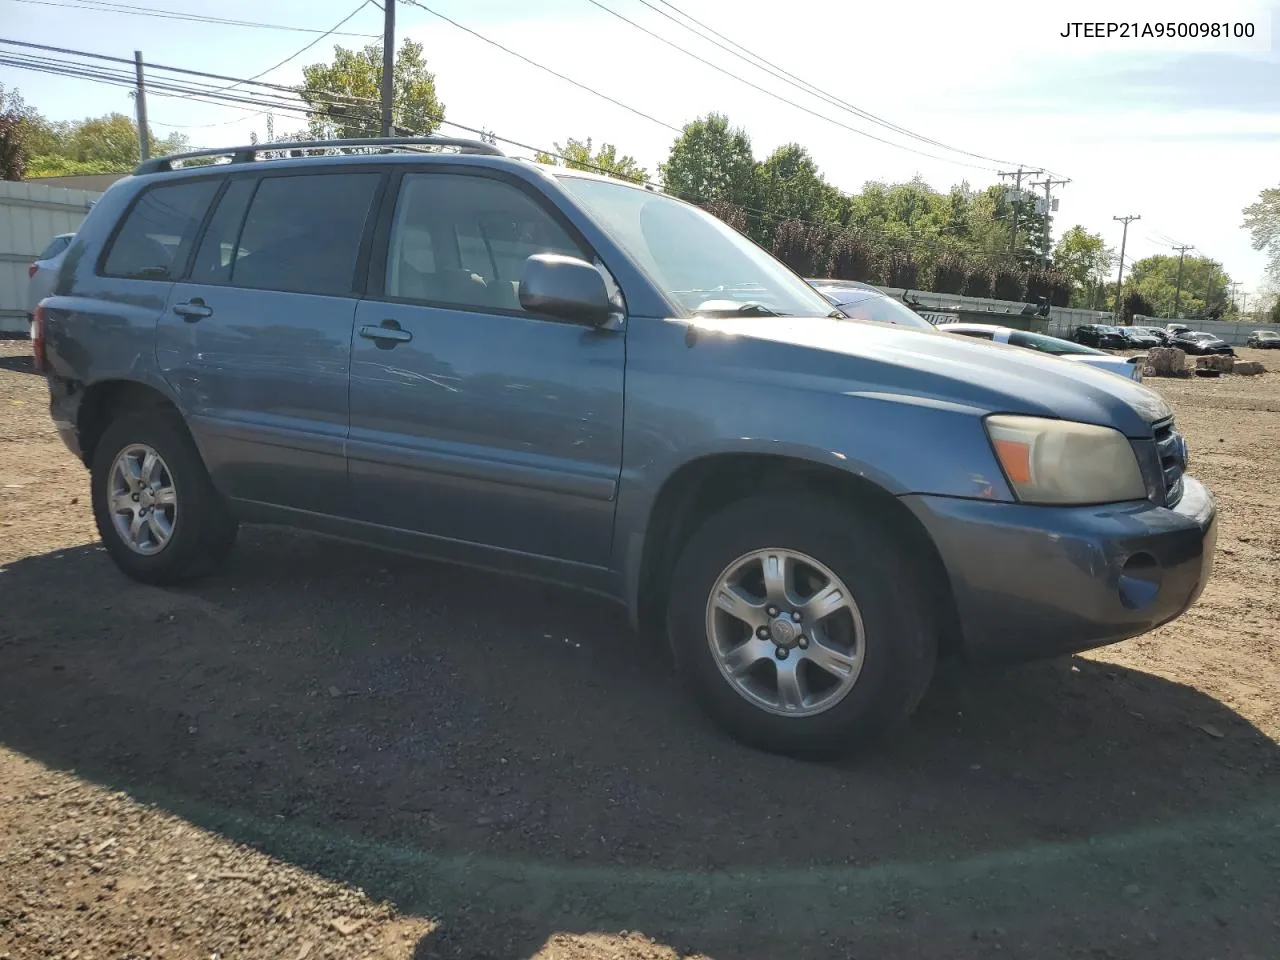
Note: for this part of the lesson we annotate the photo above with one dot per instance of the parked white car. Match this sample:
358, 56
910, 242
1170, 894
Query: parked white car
44, 270
1128, 367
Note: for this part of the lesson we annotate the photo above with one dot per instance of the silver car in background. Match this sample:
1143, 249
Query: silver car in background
861, 301
1128, 367
44, 270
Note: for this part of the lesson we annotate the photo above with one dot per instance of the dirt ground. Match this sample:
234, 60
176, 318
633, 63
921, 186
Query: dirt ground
329, 752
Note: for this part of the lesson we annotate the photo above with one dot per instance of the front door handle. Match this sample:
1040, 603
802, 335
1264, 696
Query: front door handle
193, 310
389, 331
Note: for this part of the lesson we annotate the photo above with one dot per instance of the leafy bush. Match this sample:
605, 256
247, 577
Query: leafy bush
1010, 283
1135, 303
979, 283
730, 213
1061, 288
802, 247
950, 273
902, 270
13, 145
852, 258
1037, 284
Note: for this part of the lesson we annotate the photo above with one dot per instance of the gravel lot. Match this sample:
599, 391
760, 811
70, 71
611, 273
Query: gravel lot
329, 752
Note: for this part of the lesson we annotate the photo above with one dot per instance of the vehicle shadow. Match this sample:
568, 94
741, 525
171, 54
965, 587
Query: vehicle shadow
511, 760
18, 364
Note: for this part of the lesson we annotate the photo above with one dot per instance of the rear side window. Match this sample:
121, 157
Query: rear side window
218, 248
55, 247
303, 233
156, 236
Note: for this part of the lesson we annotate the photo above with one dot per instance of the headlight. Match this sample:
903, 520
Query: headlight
1060, 462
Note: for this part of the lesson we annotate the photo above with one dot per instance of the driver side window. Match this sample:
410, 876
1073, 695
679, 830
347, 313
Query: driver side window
462, 241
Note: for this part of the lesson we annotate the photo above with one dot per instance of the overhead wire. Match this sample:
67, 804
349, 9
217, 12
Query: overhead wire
737, 50
293, 56
779, 97
544, 68
154, 12
192, 90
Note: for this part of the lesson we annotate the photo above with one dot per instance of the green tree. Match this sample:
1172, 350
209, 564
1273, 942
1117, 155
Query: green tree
711, 162
789, 187
14, 134
578, 155
1262, 220
106, 144
1204, 286
344, 96
1086, 259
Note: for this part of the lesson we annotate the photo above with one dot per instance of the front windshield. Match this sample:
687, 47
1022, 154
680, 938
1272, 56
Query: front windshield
694, 257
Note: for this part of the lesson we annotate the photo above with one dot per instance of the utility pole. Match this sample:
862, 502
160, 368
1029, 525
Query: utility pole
140, 96
388, 63
1124, 239
1177, 290
1234, 284
1049, 183
1244, 304
1017, 200
1208, 292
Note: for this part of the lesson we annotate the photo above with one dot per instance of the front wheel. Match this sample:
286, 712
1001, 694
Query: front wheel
801, 625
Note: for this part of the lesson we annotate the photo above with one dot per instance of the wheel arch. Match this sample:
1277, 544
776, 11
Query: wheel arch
707, 484
106, 400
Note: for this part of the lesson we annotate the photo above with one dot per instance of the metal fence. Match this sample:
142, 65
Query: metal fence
31, 214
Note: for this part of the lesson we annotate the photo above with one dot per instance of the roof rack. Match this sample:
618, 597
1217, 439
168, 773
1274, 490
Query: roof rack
249, 153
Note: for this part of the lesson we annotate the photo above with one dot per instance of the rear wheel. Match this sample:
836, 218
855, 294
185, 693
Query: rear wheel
800, 624
156, 509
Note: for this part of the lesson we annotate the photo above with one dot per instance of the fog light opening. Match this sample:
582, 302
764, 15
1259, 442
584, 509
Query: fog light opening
1139, 582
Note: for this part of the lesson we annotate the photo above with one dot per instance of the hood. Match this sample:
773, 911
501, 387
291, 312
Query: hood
884, 360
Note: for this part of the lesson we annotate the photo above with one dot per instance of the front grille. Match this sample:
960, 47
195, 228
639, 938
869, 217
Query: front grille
1171, 449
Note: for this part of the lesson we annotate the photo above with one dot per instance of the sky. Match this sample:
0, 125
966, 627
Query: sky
1181, 135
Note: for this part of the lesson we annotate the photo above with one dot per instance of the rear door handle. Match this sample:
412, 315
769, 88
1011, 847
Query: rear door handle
193, 310
372, 332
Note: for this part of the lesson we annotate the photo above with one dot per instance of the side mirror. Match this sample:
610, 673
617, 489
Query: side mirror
565, 287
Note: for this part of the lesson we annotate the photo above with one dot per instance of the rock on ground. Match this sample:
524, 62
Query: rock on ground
1248, 368
1219, 362
1166, 362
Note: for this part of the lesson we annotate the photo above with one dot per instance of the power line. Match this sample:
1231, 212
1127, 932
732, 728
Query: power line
546, 69
345, 99
737, 50
777, 96
293, 56
204, 126
221, 96
154, 12
159, 87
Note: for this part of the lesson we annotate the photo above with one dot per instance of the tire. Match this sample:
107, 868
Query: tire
898, 636
202, 530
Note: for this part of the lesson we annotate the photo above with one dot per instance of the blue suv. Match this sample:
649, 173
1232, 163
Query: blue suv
431, 347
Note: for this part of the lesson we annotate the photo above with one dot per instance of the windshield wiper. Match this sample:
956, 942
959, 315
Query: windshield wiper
730, 308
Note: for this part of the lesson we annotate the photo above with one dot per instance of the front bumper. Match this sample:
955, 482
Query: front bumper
1033, 582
